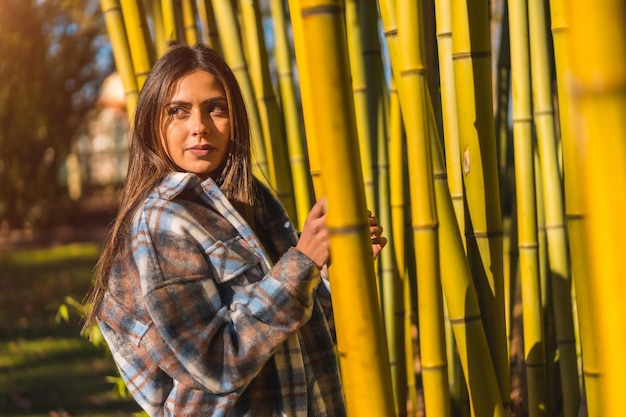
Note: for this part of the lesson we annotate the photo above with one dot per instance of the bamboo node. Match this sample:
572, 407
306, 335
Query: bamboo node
321, 10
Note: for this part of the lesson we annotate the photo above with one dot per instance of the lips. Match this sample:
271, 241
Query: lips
201, 150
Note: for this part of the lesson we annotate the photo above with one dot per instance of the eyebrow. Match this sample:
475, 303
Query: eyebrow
207, 101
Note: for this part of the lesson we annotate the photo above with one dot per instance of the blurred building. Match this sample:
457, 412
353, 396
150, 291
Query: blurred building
102, 152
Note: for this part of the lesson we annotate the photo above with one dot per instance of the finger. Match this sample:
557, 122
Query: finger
376, 231
318, 209
380, 241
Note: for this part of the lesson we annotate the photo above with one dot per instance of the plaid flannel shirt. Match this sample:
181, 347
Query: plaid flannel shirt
201, 322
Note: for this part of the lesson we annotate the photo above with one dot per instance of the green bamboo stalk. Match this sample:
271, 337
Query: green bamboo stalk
189, 14
121, 52
228, 29
360, 337
302, 187
543, 113
597, 63
534, 343
208, 26
575, 211
472, 71
267, 105
141, 47
424, 217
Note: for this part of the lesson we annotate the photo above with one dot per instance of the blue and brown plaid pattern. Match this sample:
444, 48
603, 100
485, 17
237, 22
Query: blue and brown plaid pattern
202, 323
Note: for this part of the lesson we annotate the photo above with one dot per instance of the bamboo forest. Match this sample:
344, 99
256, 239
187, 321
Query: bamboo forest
489, 138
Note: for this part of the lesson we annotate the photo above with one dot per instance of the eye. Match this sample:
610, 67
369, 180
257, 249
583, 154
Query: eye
177, 111
217, 109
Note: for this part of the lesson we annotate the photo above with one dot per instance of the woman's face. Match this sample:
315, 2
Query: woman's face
197, 129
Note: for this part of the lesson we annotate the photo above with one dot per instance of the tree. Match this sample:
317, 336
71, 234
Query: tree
53, 59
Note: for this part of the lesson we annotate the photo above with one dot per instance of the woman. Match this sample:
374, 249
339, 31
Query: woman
209, 302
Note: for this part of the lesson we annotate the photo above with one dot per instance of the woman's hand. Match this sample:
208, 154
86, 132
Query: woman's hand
315, 239
376, 231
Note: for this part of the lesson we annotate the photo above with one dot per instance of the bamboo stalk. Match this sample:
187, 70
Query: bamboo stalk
188, 15
553, 388
269, 111
472, 71
141, 47
534, 343
170, 21
365, 123
121, 52
554, 211
208, 26
360, 337
575, 211
423, 212
228, 29
401, 322
308, 104
597, 52
461, 298
443, 16
154, 10
302, 187
395, 305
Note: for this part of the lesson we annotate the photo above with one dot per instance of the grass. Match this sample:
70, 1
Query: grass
47, 368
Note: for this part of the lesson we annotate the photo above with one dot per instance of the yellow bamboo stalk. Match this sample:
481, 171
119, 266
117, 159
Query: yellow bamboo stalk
308, 104
472, 71
575, 211
208, 29
170, 20
526, 205
121, 52
502, 86
423, 212
461, 298
153, 7
553, 389
228, 29
597, 55
267, 105
141, 47
394, 302
365, 123
188, 13
398, 320
443, 16
290, 109
360, 337
543, 113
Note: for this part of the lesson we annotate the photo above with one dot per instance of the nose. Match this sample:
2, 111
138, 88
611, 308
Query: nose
198, 125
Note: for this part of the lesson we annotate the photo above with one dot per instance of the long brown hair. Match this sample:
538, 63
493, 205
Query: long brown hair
149, 162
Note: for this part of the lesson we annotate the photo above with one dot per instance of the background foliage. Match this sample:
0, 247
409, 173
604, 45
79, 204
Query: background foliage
53, 59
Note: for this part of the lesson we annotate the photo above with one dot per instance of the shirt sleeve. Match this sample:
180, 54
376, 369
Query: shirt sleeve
216, 344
